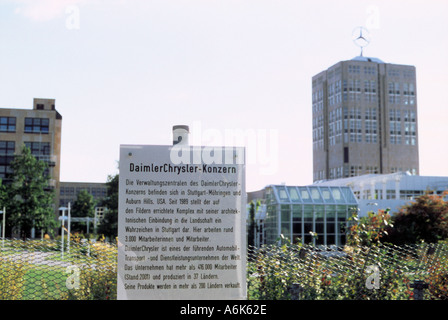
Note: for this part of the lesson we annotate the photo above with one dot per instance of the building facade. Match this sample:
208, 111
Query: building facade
39, 129
315, 215
388, 191
69, 192
364, 119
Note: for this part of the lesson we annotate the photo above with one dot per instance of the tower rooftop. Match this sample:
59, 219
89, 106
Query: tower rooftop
367, 59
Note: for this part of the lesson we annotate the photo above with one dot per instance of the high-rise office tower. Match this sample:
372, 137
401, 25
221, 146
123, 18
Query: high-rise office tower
364, 119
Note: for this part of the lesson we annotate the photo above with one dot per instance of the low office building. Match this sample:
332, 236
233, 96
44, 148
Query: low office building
308, 214
69, 192
382, 191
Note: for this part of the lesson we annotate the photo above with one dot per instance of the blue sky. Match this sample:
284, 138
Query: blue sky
125, 72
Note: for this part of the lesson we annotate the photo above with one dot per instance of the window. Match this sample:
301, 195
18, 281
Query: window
282, 195
7, 149
37, 125
395, 126
394, 92
371, 169
305, 195
318, 132
354, 88
370, 125
39, 148
408, 94
393, 72
335, 126
338, 91
369, 70
410, 127
355, 171
369, 91
7, 124
354, 69
293, 194
355, 125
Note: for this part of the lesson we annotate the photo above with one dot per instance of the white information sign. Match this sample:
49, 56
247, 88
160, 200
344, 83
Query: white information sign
181, 223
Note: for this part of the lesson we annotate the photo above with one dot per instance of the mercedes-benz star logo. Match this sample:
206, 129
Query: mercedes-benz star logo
361, 37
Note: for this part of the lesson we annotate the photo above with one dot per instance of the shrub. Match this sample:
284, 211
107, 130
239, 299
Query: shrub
95, 284
11, 279
423, 220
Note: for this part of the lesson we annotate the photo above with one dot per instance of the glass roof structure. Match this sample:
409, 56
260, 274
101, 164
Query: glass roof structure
308, 214
313, 195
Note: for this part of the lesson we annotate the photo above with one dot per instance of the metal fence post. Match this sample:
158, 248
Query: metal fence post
419, 287
295, 290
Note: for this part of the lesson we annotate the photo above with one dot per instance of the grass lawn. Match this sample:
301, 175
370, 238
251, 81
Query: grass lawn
45, 283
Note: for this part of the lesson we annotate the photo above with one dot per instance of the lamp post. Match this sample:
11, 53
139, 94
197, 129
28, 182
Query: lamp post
69, 223
95, 221
62, 229
3, 226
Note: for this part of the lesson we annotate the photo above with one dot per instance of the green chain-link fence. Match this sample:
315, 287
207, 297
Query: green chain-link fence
383, 272
40, 269
36, 269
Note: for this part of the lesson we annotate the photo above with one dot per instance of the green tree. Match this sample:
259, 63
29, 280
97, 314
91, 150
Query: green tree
109, 224
84, 206
30, 200
252, 226
425, 219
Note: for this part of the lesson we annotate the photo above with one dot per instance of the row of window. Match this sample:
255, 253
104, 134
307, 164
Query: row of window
32, 125
352, 126
96, 192
409, 125
37, 148
344, 172
356, 69
394, 72
351, 90
388, 194
41, 150
354, 171
370, 136
397, 88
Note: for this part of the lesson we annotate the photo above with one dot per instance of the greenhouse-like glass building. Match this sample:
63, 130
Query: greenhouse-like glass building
308, 214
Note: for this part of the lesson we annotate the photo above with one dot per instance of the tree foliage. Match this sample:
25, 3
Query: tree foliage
425, 219
109, 223
252, 224
30, 200
84, 206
